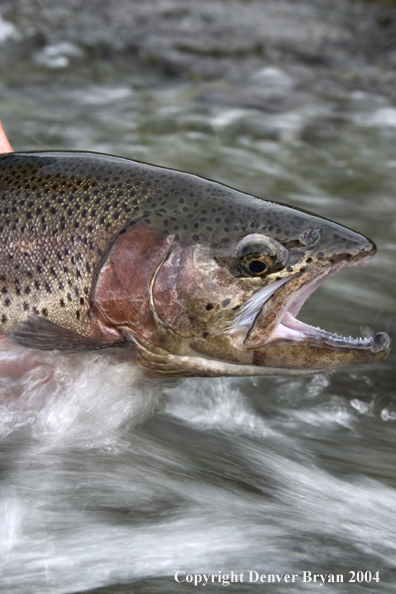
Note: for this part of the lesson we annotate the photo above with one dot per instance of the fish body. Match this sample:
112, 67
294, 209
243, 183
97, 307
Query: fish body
194, 277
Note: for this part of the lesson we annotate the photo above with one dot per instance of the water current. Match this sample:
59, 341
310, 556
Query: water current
289, 100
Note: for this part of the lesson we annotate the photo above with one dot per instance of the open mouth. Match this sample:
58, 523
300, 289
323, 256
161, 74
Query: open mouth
288, 328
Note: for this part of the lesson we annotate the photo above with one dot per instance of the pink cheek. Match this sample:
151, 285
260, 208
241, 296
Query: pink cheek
122, 293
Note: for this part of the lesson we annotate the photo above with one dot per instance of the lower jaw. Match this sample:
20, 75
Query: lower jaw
320, 354
307, 355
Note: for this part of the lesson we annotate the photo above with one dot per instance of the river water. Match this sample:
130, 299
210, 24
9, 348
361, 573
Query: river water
289, 100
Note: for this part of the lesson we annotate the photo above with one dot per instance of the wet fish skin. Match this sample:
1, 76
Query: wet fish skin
62, 210
123, 252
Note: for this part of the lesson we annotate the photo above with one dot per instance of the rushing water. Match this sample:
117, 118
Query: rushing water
273, 475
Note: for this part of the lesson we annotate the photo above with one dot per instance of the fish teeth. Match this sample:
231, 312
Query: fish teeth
346, 339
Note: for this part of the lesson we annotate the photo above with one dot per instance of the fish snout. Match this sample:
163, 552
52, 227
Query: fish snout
342, 244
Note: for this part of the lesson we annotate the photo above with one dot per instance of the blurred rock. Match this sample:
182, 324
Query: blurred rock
202, 38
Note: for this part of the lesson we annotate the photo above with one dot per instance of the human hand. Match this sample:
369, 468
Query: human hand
5, 146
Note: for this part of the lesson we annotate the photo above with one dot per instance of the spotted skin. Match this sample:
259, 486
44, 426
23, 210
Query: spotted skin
60, 212
99, 251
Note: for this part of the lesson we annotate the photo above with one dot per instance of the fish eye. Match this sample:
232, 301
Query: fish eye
259, 255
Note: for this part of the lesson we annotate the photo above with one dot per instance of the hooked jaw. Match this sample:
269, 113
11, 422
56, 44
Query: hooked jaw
312, 346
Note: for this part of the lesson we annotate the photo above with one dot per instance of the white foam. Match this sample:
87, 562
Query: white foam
58, 55
217, 403
85, 399
8, 31
385, 117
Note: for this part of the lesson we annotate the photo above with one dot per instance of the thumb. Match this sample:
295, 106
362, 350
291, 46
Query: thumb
5, 146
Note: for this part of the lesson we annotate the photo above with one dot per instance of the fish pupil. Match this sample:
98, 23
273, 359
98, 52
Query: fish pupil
256, 266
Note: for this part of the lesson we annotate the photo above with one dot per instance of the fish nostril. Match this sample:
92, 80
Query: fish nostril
310, 236
209, 306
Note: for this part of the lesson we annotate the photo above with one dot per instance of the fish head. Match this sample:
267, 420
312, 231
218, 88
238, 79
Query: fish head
230, 292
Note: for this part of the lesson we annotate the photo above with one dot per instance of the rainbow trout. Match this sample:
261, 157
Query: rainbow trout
195, 278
